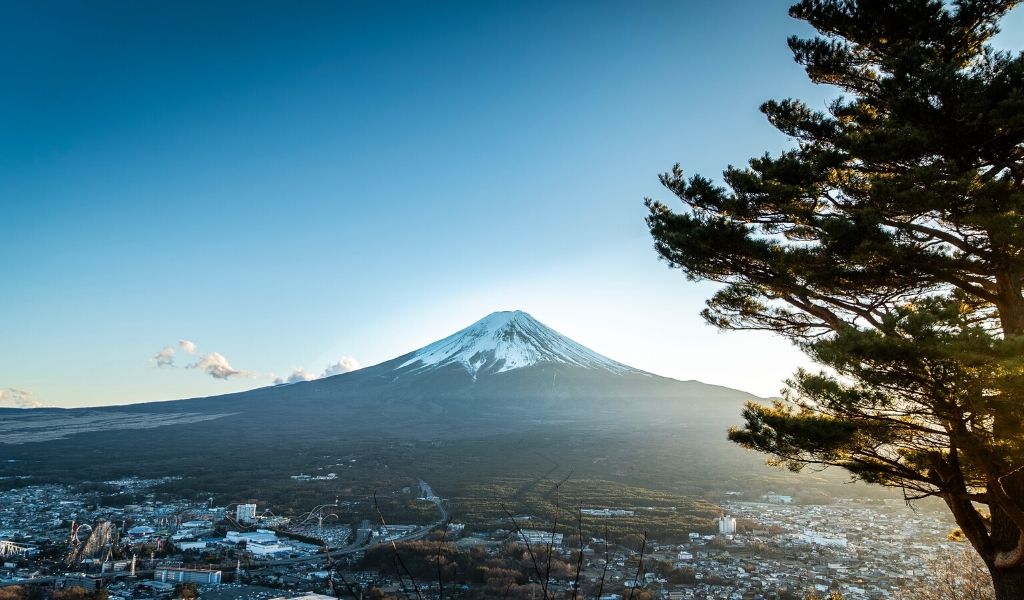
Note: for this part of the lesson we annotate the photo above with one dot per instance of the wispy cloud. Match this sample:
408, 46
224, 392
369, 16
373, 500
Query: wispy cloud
344, 365
15, 398
165, 357
215, 365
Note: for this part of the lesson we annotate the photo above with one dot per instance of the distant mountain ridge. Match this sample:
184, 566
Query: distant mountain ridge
503, 371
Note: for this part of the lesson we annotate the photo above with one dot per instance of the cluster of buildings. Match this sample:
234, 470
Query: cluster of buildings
759, 550
774, 548
264, 543
150, 545
70, 537
866, 550
55, 515
390, 533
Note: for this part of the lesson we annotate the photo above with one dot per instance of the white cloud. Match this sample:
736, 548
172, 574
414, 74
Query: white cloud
215, 365
15, 398
296, 376
165, 357
344, 365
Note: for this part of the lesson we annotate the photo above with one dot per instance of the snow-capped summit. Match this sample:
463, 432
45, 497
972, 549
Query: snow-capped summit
507, 340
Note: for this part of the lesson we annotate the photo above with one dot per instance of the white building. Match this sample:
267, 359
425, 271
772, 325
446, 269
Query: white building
114, 566
141, 531
183, 575
245, 513
260, 536
393, 532
184, 534
727, 525
811, 537
267, 549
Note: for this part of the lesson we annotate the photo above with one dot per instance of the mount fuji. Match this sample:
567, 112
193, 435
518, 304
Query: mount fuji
505, 384
509, 362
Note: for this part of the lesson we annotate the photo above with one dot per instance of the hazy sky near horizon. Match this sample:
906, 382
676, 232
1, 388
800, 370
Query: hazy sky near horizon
285, 187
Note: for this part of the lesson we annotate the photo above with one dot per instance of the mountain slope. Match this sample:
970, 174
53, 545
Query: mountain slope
504, 341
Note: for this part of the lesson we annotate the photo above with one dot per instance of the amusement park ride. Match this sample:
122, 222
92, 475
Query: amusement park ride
320, 514
86, 541
102, 541
9, 549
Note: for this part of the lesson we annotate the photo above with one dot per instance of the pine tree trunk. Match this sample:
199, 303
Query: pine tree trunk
1007, 425
1009, 583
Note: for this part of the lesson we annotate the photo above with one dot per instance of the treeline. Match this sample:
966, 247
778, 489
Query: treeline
666, 516
36, 592
513, 571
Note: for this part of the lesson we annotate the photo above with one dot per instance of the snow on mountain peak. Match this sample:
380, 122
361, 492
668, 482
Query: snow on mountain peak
507, 340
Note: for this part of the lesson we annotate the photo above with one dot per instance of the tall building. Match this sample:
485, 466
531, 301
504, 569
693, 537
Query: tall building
245, 513
727, 525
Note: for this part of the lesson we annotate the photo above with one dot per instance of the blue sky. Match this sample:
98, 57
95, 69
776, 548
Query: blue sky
289, 186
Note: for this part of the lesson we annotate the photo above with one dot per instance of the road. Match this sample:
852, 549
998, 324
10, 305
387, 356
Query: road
427, 493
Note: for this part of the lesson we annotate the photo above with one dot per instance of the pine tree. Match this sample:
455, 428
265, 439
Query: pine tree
888, 243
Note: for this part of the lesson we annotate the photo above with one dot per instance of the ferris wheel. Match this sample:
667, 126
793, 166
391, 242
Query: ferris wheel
80, 532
